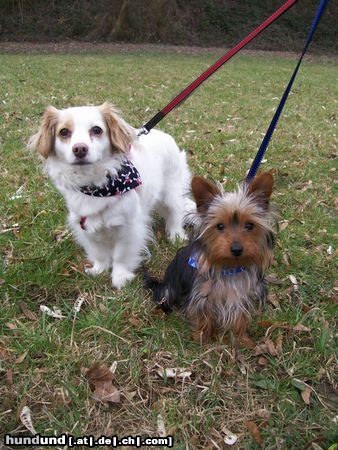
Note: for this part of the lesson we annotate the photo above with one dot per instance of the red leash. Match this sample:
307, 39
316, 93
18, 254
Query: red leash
219, 63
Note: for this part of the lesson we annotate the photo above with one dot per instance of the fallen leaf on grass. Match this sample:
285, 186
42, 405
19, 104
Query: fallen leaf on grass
283, 224
247, 342
306, 395
271, 347
103, 308
78, 303
137, 323
100, 382
294, 282
305, 389
60, 235
56, 313
263, 413
279, 345
177, 372
263, 361
161, 431
4, 355
9, 376
27, 312
300, 327
229, 438
254, 431
26, 419
20, 359
11, 326
272, 298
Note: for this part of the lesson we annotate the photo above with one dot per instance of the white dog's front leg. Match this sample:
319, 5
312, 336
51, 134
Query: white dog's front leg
127, 254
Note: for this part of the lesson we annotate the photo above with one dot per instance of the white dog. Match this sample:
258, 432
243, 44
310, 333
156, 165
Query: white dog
112, 181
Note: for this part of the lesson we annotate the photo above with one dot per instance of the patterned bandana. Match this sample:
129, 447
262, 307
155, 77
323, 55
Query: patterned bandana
126, 179
192, 261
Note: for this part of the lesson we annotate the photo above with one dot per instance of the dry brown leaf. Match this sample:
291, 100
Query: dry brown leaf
11, 326
272, 298
260, 349
263, 361
279, 345
9, 376
103, 308
271, 347
263, 413
4, 355
100, 383
20, 359
106, 392
306, 395
283, 224
247, 342
300, 327
254, 431
265, 323
137, 323
27, 312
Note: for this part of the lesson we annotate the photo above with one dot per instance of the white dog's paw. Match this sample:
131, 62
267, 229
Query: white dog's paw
96, 269
120, 276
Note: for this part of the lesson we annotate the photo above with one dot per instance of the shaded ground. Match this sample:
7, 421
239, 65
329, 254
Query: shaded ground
94, 47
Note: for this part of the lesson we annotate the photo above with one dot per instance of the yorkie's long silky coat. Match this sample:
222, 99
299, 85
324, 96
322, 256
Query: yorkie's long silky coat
218, 280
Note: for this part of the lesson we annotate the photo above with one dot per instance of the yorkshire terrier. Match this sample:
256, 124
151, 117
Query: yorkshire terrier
218, 279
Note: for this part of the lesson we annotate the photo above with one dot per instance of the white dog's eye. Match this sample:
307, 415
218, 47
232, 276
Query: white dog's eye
96, 130
64, 132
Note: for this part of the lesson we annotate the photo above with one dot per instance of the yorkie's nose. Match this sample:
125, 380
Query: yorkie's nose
236, 249
80, 150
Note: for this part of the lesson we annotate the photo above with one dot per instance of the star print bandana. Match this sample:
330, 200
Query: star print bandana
126, 179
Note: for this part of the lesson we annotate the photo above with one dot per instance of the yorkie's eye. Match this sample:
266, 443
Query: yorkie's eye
64, 132
220, 226
249, 226
97, 130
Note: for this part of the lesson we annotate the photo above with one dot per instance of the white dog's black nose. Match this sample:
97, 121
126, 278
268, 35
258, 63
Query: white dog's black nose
80, 150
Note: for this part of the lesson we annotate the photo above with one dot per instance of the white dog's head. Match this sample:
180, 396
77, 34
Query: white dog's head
82, 135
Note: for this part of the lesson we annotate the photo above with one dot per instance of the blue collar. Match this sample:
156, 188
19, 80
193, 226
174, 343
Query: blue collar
192, 261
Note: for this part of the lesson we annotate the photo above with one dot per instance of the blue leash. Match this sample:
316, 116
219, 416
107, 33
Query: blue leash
264, 145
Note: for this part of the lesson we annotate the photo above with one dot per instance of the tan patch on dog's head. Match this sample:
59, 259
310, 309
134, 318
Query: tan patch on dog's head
121, 135
44, 140
66, 124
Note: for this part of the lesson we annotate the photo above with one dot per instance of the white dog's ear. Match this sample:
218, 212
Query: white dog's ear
44, 140
121, 134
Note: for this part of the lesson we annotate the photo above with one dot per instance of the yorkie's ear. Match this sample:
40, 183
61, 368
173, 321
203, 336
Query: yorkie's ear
261, 187
203, 192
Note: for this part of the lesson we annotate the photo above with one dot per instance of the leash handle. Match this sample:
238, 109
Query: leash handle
212, 69
264, 145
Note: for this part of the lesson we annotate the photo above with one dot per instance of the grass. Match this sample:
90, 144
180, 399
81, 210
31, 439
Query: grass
220, 127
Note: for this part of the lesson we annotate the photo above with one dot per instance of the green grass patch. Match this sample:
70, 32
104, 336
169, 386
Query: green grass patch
220, 127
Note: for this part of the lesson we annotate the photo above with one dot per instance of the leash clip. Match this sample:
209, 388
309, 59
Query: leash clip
142, 130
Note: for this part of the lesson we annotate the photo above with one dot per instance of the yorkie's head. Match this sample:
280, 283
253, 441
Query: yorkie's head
236, 228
